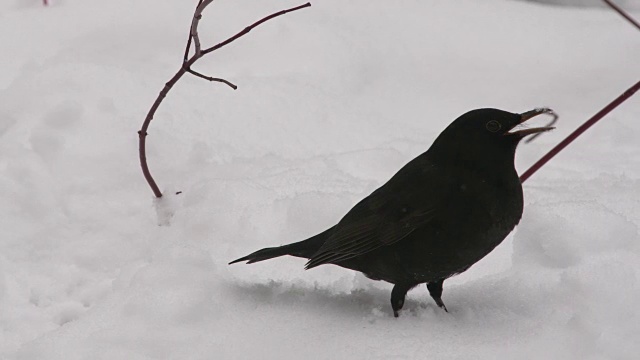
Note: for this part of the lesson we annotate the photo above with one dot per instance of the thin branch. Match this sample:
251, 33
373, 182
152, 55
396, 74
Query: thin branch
595, 118
554, 118
623, 13
193, 72
251, 27
186, 67
188, 48
202, 4
194, 35
142, 134
569, 139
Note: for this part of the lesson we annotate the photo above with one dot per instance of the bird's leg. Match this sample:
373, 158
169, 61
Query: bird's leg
397, 297
435, 290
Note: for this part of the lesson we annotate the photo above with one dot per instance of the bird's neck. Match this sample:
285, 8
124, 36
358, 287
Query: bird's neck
496, 165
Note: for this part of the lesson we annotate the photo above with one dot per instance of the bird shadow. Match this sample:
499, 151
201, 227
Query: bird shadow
359, 302
477, 302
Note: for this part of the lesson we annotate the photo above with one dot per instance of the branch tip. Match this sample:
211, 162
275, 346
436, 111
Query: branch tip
209, 78
250, 27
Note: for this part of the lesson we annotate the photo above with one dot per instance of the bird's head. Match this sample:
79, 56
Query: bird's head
485, 136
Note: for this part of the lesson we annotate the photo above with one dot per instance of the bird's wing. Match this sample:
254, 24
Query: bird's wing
386, 216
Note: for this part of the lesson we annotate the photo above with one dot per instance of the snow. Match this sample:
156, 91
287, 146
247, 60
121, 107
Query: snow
332, 100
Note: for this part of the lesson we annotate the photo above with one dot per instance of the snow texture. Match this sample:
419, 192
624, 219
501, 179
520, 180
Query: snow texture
332, 100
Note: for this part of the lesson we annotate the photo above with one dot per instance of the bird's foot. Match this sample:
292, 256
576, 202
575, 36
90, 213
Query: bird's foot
441, 304
435, 290
397, 306
398, 294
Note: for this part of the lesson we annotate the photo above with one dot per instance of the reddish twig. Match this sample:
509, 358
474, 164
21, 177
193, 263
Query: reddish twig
186, 68
623, 13
595, 118
619, 100
554, 118
193, 72
250, 27
193, 31
45, 2
188, 48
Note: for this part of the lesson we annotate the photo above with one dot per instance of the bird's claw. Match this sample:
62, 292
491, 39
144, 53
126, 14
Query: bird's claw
441, 304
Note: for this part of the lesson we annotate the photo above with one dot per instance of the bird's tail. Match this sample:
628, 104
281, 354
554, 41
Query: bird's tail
304, 249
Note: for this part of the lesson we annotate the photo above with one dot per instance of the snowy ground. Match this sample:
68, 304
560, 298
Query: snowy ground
332, 101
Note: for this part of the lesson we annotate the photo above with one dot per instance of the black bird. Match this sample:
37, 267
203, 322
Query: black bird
440, 214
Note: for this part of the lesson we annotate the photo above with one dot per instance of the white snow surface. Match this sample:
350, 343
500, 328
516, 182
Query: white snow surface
332, 100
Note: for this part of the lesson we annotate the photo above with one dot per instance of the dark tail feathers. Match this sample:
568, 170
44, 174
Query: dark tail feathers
264, 254
304, 249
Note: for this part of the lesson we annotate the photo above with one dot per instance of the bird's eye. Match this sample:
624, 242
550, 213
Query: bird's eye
493, 126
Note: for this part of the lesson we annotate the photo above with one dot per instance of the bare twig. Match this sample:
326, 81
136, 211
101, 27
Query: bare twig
193, 72
623, 13
250, 27
188, 48
595, 118
186, 68
142, 134
554, 118
195, 22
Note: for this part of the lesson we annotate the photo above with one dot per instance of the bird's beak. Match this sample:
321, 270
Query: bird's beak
531, 114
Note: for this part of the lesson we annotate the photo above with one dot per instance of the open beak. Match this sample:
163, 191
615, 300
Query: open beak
531, 114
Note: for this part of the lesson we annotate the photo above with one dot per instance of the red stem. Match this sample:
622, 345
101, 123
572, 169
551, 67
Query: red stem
188, 48
569, 139
142, 134
250, 27
619, 10
627, 94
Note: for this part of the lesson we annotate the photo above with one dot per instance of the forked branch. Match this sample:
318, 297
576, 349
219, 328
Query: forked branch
187, 62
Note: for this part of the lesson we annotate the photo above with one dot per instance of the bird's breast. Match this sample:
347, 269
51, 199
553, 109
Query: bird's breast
474, 218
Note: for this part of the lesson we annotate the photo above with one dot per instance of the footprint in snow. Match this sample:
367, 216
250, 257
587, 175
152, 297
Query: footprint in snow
47, 139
